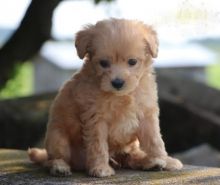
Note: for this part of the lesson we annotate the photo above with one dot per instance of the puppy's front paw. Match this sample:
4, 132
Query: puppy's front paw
60, 168
154, 164
173, 164
101, 171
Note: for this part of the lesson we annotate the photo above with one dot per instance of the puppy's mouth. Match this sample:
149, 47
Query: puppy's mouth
119, 91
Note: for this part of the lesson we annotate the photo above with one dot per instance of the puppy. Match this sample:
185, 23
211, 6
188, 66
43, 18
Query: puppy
107, 114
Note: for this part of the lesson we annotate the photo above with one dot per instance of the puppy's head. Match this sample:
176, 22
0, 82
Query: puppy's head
119, 50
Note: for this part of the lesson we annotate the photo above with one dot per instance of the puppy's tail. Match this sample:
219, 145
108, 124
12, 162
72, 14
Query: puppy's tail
37, 155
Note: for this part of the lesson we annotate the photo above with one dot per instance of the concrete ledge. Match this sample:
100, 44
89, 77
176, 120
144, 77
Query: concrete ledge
15, 168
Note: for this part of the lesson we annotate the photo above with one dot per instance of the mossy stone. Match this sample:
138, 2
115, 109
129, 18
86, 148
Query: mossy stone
15, 168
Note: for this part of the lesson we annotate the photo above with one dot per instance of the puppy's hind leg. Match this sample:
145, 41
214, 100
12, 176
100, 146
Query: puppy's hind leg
134, 156
59, 153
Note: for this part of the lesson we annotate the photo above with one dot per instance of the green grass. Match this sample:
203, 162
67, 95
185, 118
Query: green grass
21, 84
213, 71
213, 75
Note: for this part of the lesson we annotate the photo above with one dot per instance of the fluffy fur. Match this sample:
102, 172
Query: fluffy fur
94, 126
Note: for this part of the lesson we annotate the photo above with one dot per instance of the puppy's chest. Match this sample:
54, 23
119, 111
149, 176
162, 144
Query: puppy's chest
123, 122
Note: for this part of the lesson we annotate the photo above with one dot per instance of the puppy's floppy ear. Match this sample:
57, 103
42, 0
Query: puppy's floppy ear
151, 40
83, 41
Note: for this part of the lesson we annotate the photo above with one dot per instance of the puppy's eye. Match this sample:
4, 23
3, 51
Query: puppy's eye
104, 63
132, 62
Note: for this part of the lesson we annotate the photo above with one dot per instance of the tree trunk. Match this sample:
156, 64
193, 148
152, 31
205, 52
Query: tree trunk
34, 30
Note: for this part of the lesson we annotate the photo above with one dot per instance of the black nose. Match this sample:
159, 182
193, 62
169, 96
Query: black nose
117, 83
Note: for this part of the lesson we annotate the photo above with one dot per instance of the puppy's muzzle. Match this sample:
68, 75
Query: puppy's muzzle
117, 83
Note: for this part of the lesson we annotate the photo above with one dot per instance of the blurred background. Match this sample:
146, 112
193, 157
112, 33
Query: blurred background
37, 55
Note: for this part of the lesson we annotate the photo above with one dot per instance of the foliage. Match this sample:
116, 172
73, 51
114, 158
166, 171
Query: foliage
20, 84
213, 75
213, 71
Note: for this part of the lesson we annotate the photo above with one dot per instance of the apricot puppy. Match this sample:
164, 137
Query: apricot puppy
107, 114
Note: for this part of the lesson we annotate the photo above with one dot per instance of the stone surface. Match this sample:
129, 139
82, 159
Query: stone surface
15, 168
208, 156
